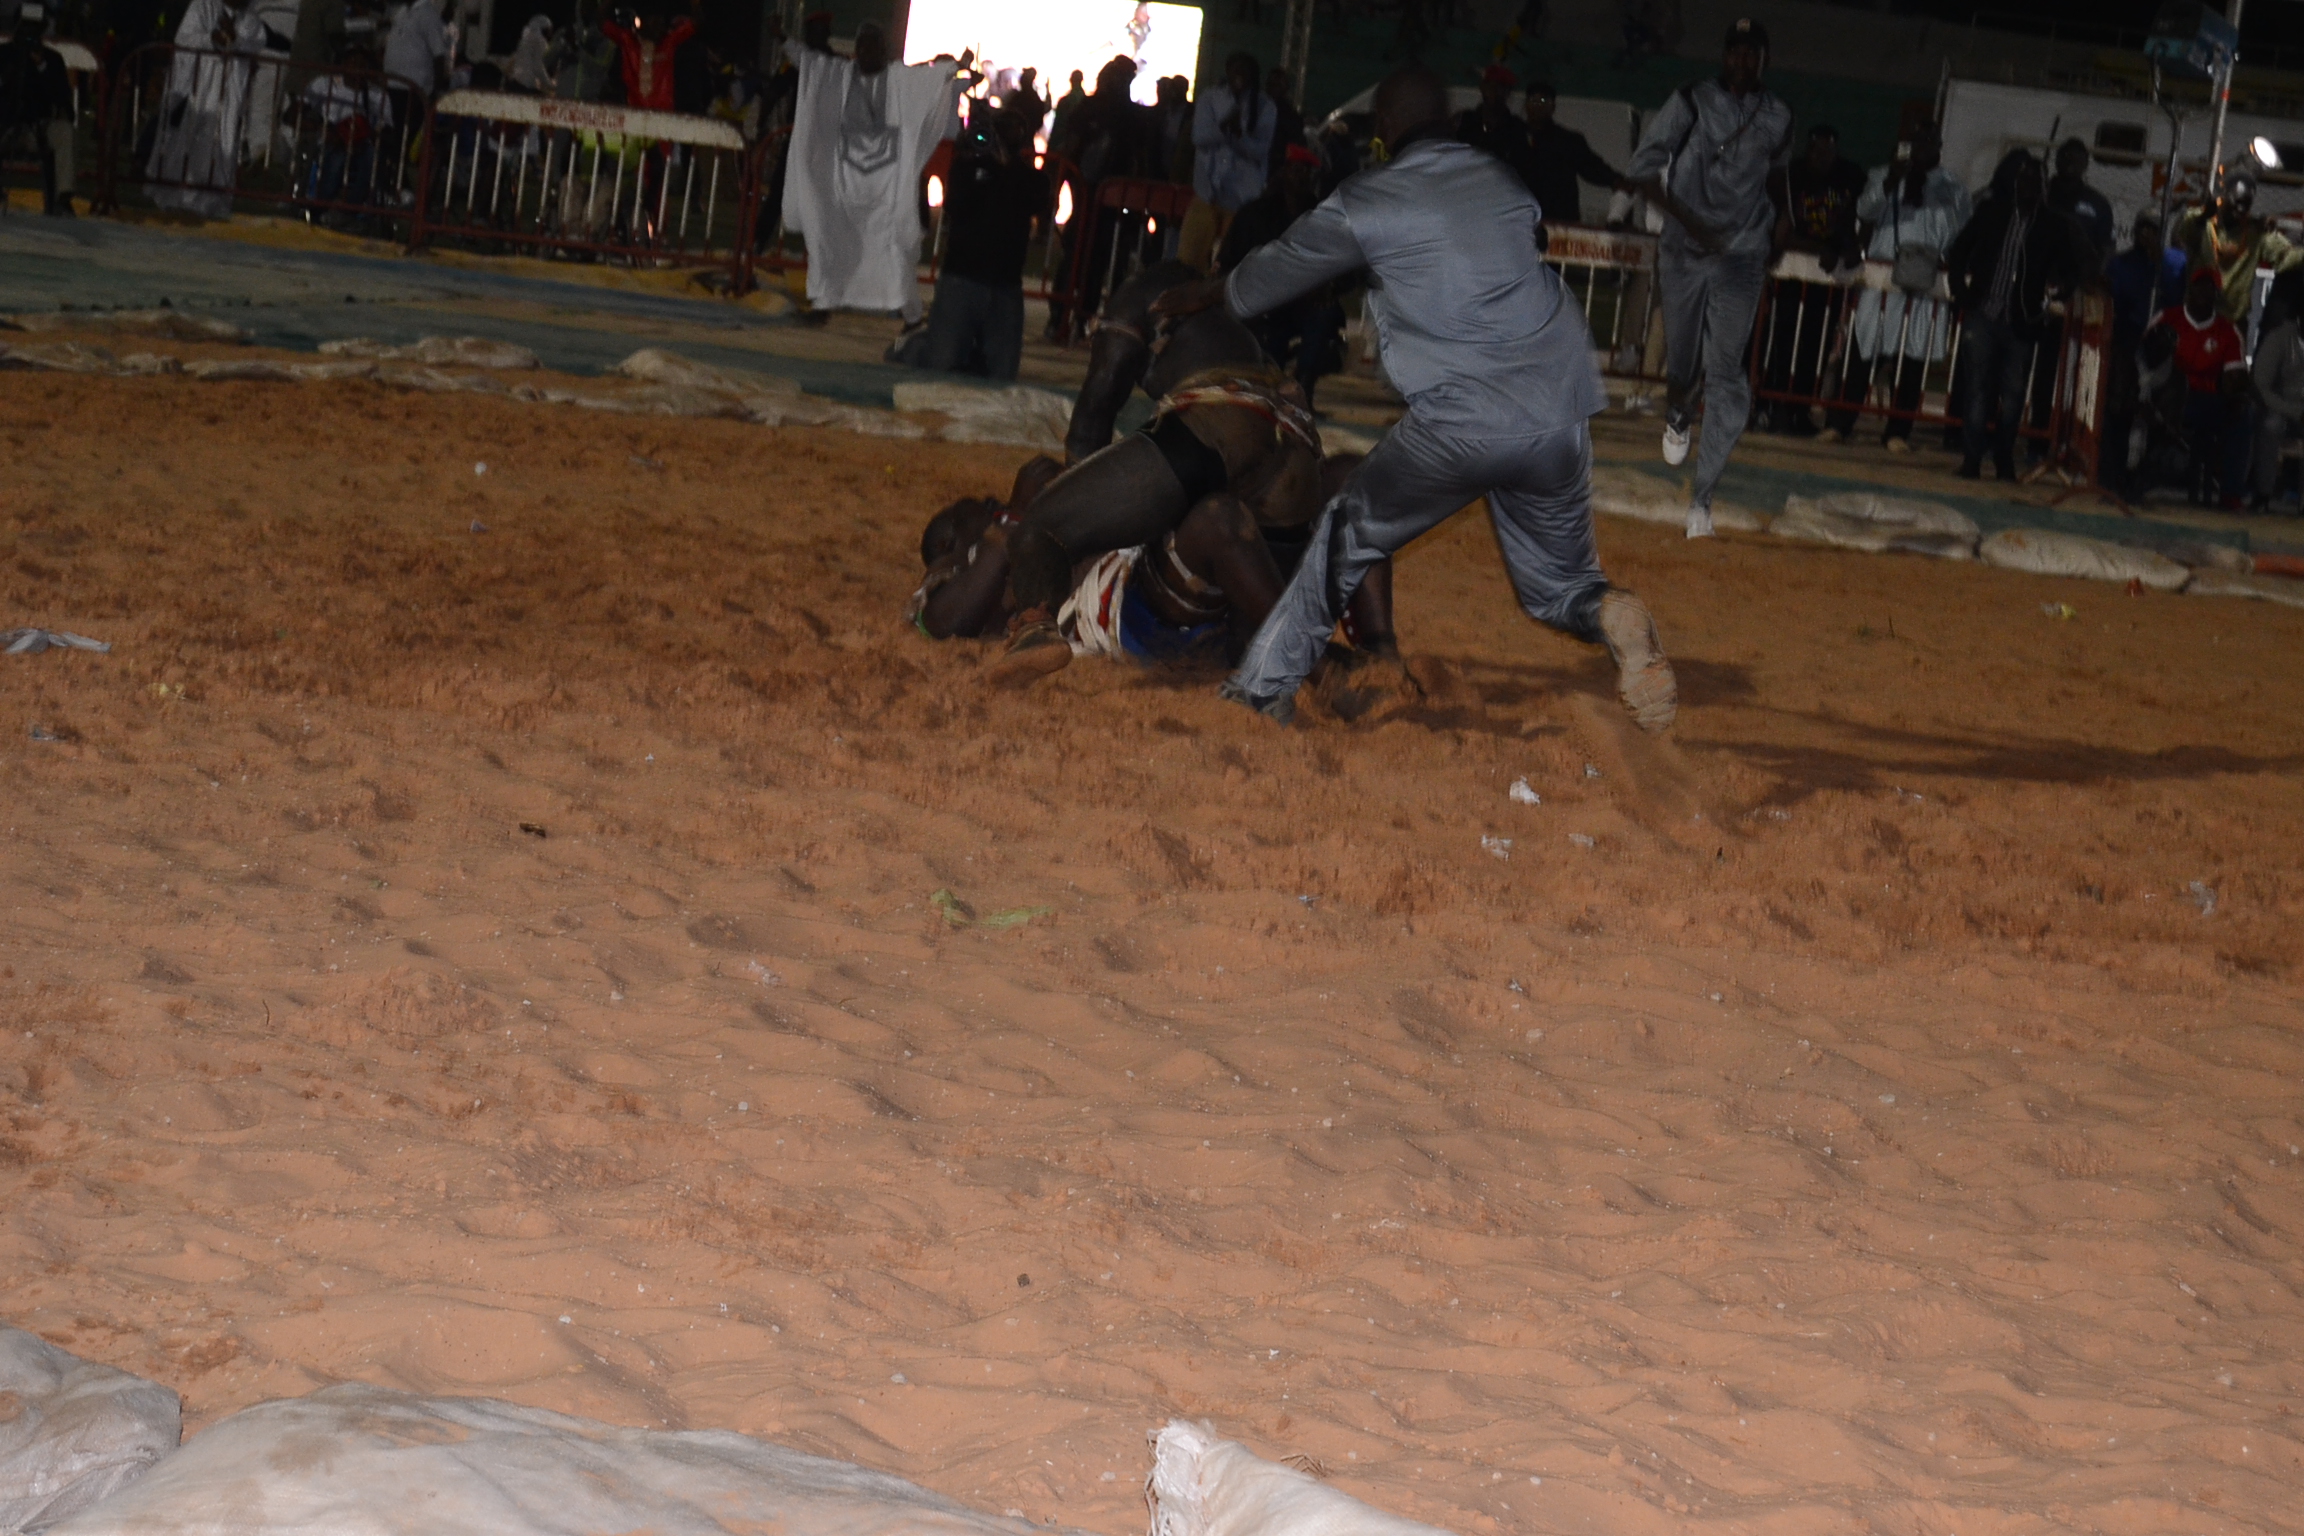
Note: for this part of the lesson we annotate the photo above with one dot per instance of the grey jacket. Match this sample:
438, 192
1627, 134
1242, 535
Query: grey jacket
2279, 372
1478, 334
1722, 149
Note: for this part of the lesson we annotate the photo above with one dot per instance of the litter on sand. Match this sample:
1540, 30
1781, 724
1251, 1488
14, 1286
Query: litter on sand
959, 914
1521, 793
75, 1432
31, 642
1501, 847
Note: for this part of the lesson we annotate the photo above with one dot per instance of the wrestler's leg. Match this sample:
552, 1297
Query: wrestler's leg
1368, 616
1219, 542
1122, 495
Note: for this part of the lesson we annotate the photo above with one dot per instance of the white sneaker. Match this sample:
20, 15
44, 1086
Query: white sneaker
1699, 522
1675, 440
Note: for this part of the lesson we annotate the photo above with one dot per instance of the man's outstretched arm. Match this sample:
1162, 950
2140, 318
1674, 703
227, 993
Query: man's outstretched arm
1317, 248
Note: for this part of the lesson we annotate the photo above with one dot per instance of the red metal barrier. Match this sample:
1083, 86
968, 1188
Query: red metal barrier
200, 128
1120, 204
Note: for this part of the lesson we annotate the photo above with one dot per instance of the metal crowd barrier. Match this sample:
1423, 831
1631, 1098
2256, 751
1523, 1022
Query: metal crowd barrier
1127, 207
1613, 275
583, 179
1856, 345
197, 128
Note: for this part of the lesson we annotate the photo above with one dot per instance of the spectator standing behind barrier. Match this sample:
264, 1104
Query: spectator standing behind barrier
531, 66
2069, 193
2232, 239
416, 48
203, 114
2212, 361
36, 97
1030, 107
1820, 192
2016, 255
1172, 129
1707, 159
1306, 334
649, 50
2142, 278
1072, 101
1557, 157
2276, 382
1491, 126
349, 116
1110, 135
1913, 210
1287, 122
1232, 127
991, 200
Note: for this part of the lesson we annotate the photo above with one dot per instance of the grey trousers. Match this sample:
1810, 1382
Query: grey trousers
1539, 492
1709, 305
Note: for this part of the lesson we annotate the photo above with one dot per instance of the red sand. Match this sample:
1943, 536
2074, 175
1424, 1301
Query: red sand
1898, 1146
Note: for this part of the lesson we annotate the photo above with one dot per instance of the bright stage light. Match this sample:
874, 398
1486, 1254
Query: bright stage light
1057, 37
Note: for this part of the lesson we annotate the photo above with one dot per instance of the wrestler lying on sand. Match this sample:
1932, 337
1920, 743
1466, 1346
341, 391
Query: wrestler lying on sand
1206, 584
1227, 424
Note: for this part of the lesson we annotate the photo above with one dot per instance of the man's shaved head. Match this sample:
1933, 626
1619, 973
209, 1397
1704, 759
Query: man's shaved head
1412, 97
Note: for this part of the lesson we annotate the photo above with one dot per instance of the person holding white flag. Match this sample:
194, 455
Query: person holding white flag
862, 132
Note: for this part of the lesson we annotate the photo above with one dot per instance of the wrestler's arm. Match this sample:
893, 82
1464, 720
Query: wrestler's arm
1117, 360
962, 594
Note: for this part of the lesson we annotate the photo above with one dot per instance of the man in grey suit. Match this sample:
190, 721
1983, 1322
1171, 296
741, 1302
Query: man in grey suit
1493, 356
1707, 159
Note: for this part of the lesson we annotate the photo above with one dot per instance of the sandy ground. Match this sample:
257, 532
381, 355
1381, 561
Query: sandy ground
1842, 1117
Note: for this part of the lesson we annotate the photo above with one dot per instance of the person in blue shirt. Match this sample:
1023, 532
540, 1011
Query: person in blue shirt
2134, 303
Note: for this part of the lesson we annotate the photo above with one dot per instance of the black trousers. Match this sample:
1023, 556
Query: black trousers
1908, 376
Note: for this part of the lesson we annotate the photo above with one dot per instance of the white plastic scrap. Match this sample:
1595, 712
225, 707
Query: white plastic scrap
78, 1431
2204, 897
1205, 1486
1501, 847
1522, 794
31, 642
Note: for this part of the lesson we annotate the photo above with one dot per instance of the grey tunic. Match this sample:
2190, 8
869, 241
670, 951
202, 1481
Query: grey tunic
1476, 331
1722, 149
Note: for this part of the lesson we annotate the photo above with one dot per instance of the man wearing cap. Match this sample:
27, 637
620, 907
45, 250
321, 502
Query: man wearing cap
1707, 160
1493, 356
1557, 157
2231, 238
1491, 125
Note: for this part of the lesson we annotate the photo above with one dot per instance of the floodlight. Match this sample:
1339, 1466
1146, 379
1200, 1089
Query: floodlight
2266, 154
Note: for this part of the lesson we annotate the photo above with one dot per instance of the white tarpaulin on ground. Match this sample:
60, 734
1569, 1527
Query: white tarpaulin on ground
72, 1432
1017, 414
1206, 1486
1855, 520
2068, 554
357, 1460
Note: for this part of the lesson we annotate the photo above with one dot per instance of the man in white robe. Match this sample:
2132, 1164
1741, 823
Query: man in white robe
197, 150
862, 132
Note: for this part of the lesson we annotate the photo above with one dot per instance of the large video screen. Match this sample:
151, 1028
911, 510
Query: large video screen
1057, 37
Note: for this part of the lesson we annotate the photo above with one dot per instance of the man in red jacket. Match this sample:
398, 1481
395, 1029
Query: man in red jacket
648, 50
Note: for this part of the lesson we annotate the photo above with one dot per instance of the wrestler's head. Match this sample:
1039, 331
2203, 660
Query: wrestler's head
1412, 102
956, 527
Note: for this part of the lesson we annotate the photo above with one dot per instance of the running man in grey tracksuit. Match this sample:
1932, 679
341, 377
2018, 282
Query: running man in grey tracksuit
1493, 356
1707, 160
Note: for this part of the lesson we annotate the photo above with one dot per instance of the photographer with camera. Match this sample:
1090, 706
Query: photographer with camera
994, 196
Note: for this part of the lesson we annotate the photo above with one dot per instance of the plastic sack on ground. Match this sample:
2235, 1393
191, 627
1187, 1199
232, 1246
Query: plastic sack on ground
1206, 1486
1016, 414
1629, 493
72, 1432
2269, 589
367, 1460
467, 351
654, 365
59, 357
1877, 524
172, 324
2068, 554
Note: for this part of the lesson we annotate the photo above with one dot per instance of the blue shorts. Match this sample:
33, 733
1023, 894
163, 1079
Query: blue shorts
1148, 637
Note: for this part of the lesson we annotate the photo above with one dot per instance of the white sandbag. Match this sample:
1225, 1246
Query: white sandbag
2068, 554
669, 400
1901, 512
172, 324
239, 370
59, 357
434, 381
357, 1460
1018, 414
437, 351
1629, 493
1819, 522
334, 368
72, 1432
2269, 589
654, 365
1336, 439
146, 364
1205, 1486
